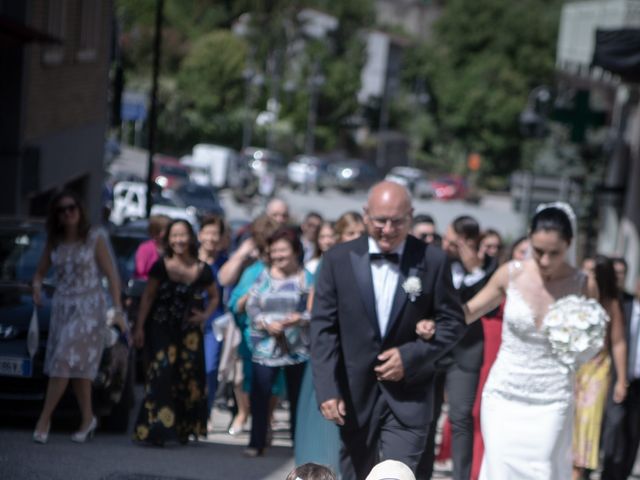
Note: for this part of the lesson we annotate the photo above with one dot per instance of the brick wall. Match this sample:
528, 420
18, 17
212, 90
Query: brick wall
72, 92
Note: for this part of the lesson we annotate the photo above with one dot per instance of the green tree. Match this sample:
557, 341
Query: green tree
484, 59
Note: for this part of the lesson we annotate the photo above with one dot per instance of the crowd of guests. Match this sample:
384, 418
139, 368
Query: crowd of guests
264, 276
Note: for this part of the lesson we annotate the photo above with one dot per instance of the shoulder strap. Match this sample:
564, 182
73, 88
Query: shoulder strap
515, 266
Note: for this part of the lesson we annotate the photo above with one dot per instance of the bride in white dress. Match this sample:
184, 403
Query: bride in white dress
527, 402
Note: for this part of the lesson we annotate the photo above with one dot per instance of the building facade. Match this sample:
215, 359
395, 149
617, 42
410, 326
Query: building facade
55, 63
580, 67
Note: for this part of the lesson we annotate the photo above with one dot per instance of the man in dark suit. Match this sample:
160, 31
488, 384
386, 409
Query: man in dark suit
460, 376
621, 426
372, 373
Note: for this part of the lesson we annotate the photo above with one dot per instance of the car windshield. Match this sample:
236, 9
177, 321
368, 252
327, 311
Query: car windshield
19, 254
198, 196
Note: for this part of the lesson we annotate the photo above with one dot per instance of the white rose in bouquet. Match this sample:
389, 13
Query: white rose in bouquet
576, 328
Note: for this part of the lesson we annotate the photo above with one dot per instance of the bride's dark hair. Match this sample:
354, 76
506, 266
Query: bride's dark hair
555, 219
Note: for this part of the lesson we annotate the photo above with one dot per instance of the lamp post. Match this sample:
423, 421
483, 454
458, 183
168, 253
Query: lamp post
153, 112
315, 83
533, 119
247, 75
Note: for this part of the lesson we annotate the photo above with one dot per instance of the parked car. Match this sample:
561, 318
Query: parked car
309, 172
414, 179
203, 198
450, 187
168, 172
354, 174
22, 381
262, 160
130, 203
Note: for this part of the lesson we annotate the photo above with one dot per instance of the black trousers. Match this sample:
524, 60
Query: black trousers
461, 386
385, 438
621, 434
262, 380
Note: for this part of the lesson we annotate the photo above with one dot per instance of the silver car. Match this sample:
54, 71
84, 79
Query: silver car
308, 172
414, 179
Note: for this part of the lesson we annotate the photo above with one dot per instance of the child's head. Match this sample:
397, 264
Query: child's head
311, 471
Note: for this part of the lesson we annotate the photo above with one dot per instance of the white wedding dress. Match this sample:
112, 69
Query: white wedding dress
527, 402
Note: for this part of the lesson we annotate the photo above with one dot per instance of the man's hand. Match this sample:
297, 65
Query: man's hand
391, 368
426, 329
334, 410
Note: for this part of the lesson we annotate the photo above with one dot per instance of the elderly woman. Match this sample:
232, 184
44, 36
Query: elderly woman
279, 319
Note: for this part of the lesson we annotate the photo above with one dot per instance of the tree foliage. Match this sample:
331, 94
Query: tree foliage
484, 59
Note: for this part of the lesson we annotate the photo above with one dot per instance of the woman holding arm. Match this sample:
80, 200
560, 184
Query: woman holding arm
170, 321
79, 254
528, 400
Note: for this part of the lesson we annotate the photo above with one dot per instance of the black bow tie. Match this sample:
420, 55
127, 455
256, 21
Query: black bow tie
389, 257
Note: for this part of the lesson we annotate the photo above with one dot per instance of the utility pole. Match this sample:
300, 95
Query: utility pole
153, 113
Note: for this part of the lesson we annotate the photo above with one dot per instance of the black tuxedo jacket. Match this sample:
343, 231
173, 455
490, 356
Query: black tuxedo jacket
626, 301
468, 354
346, 339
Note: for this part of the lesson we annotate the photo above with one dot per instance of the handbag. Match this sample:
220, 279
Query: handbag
33, 336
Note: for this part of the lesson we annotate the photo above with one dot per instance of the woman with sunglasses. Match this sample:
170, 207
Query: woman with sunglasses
80, 256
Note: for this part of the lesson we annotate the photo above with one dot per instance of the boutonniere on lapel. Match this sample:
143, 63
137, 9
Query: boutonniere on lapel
412, 287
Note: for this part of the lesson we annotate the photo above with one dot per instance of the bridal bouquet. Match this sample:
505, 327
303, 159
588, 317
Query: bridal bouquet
576, 328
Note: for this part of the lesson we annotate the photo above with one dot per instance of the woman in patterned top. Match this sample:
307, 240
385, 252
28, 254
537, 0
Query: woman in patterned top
79, 254
277, 309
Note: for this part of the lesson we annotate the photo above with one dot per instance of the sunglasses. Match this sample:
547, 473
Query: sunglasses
66, 208
424, 236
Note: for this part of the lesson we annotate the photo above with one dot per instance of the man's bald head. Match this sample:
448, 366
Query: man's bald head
389, 192
278, 210
388, 214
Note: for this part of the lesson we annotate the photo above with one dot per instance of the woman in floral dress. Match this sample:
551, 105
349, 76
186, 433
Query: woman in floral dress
79, 255
170, 323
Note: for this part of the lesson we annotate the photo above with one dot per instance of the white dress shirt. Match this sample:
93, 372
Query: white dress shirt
459, 275
385, 281
635, 337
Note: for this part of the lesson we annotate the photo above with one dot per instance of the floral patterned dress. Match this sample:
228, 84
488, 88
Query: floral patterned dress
175, 401
78, 311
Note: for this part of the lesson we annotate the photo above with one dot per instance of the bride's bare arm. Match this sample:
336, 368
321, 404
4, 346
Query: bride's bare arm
489, 297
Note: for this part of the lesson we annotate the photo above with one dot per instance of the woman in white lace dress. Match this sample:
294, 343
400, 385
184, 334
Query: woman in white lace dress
527, 402
79, 255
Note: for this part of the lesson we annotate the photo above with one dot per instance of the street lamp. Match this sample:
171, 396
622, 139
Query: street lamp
316, 81
251, 79
533, 119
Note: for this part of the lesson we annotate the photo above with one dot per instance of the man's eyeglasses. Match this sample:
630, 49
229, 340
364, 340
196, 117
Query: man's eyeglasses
66, 208
381, 222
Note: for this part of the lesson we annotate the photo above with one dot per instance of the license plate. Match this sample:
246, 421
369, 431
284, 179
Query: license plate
15, 367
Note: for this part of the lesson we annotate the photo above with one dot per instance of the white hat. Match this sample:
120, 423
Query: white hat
391, 470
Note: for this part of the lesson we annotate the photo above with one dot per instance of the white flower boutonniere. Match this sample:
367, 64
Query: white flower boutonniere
413, 287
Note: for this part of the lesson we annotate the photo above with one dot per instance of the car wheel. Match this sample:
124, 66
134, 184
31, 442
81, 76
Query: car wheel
118, 418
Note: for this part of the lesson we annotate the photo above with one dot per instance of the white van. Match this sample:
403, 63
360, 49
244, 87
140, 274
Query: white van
130, 203
211, 164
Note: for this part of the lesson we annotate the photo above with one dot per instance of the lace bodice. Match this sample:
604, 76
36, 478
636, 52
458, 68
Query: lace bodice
75, 267
526, 370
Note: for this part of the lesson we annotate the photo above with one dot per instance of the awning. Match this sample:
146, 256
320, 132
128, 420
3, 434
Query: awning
13, 33
618, 51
